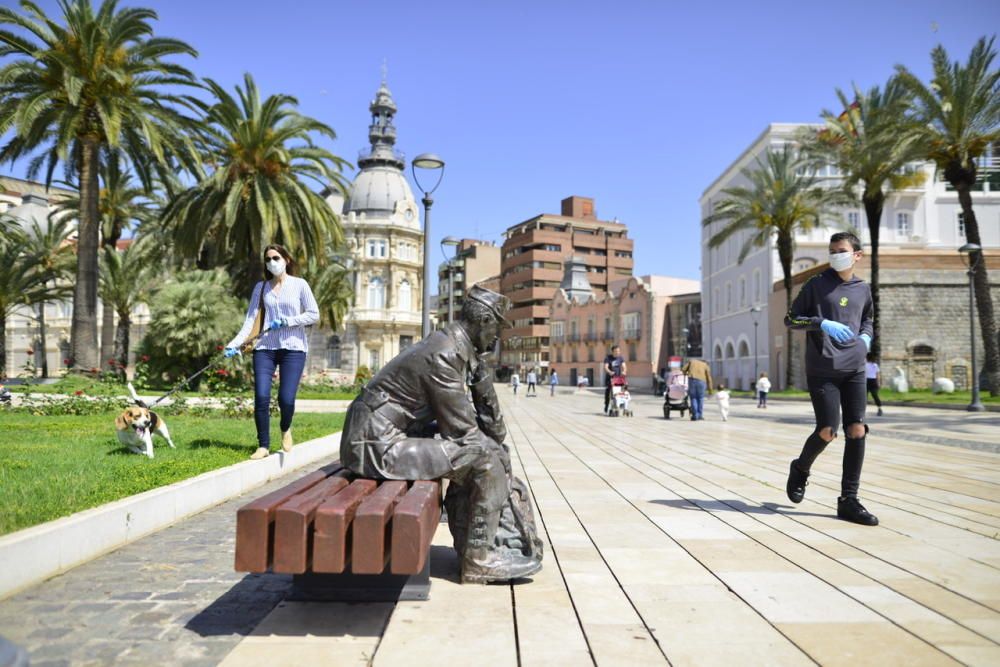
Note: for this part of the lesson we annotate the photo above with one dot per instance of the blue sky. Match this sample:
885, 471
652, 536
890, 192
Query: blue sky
639, 104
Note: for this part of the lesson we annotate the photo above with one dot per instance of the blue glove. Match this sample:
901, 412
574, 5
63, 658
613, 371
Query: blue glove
230, 352
277, 323
868, 341
837, 331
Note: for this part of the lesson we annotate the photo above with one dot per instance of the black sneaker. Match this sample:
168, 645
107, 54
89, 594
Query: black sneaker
795, 487
880, 412
851, 509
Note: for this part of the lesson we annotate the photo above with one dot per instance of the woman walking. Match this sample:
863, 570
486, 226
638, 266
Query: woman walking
288, 308
873, 378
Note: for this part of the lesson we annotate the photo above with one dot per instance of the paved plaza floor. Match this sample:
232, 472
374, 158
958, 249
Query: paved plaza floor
667, 542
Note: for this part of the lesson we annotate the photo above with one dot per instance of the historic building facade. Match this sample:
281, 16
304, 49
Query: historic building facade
385, 244
475, 262
921, 230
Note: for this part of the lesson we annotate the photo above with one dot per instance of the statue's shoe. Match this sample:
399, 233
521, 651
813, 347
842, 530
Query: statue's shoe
482, 566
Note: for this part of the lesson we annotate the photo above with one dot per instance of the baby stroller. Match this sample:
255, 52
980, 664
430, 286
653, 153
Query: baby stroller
620, 398
676, 397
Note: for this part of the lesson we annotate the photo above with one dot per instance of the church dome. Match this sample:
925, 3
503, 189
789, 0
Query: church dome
378, 188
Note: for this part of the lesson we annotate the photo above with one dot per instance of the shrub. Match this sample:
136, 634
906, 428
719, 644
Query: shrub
194, 315
362, 376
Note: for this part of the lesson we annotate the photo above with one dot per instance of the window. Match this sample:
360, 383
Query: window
729, 297
557, 329
573, 354
408, 251
608, 332
376, 293
903, 224
558, 355
854, 219
716, 305
333, 352
961, 225
631, 323
743, 292
377, 248
631, 352
756, 286
373, 358
405, 342
405, 301
590, 353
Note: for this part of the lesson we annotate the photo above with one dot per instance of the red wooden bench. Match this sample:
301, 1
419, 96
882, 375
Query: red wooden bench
342, 537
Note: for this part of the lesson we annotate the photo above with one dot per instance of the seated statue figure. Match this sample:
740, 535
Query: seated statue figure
414, 420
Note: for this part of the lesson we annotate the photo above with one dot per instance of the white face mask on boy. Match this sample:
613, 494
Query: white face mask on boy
276, 267
841, 261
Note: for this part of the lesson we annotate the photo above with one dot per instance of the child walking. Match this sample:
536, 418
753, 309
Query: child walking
835, 309
722, 396
763, 386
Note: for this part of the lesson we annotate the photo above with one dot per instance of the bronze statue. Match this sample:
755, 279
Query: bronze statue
390, 434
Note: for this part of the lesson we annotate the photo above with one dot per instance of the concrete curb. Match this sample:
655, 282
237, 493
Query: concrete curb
37, 553
894, 404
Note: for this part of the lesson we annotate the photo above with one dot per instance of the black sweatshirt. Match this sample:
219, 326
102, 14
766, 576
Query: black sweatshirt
826, 297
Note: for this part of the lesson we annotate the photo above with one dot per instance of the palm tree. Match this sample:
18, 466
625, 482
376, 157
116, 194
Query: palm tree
332, 286
98, 80
127, 278
24, 278
783, 198
256, 193
959, 114
123, 204
51, 248
872, 142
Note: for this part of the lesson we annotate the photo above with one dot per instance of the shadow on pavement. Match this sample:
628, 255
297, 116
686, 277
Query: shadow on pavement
734, 506
240, 609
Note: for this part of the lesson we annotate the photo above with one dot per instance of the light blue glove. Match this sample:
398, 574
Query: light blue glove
230, 352
868, 341
278, 323
837, 331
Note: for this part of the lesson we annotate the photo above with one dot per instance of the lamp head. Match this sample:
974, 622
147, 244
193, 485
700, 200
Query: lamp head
431, 162
967, 250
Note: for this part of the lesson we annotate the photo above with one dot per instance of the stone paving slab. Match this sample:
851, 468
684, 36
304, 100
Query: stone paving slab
666, 543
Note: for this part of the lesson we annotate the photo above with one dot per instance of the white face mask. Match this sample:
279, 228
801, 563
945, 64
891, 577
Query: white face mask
276, 267
841, 261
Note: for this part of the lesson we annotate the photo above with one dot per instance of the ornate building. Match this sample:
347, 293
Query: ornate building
385, 241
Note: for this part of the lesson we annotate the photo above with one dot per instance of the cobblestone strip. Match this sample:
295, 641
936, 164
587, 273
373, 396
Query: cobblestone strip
171, 598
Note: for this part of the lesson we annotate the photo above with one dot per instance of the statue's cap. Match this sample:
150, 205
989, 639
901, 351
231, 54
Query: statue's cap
497, 304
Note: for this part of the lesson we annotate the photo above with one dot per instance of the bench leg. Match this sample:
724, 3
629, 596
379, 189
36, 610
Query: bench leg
362, 587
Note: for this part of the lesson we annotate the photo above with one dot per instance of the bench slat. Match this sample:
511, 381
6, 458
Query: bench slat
293, 522
332, 523
371, 534
254, 540
413, 524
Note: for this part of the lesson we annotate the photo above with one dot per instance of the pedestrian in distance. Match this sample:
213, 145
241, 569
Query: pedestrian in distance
553, 381
285, 306
873, 380
834, 308
699, 382
515, 381
614, 366
722, 397
532, 381
763, 387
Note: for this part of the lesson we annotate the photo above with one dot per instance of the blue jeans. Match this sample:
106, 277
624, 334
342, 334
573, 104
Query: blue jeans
291, 363
696, 391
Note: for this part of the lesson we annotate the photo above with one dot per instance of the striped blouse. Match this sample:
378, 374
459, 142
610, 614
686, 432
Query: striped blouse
294, 302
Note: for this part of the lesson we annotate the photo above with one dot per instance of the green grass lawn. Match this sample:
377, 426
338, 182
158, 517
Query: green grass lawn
55, 465
74, 383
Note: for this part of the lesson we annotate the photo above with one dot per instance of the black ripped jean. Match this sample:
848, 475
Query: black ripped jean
833, 397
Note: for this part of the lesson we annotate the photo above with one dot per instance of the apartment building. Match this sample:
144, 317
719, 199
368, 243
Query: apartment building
532, 258
475, 262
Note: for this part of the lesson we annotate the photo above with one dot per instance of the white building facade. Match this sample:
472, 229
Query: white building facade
923, 219
385, 241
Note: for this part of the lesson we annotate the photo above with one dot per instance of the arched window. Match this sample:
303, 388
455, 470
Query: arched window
376, 293
730, 352
405, 296
744, 349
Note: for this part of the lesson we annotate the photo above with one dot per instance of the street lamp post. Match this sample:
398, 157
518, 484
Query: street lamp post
428, 161
452, 242
755, 316
971, 250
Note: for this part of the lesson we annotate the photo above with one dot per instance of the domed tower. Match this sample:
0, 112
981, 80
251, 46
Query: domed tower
383, 234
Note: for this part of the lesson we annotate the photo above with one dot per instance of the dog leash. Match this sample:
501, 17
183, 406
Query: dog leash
188, 379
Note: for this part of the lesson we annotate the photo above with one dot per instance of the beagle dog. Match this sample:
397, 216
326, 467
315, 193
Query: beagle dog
137, 424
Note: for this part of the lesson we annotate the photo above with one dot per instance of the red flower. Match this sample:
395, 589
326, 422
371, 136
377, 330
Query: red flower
145, 358
65, 362
29, 351
218, 348
112, 362
222, 371
78, 392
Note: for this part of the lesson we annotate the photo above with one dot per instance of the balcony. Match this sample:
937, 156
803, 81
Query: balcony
592, 337
558, 338
384, 316
631, 334
573, 337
